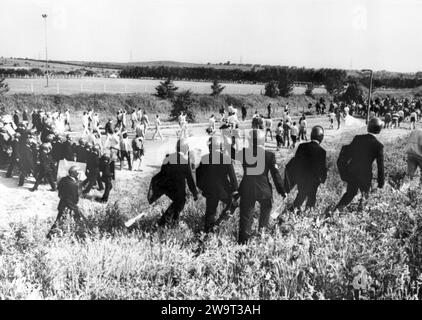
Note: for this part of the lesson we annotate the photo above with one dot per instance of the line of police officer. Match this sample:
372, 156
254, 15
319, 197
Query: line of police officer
39, 153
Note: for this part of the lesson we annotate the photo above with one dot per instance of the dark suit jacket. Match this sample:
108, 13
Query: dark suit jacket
93, 164
215, 176
311, 164
68, 193
26, 158
258, 186
364, 150
57, 151
175, 172
67, 150
81, 154
106, 170
46, 163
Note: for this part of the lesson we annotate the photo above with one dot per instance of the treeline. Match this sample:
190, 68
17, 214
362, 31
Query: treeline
38, 72
264, 75
255, 75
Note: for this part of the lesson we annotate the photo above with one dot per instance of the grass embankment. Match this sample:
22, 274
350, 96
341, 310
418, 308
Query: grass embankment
108, 104
305, 258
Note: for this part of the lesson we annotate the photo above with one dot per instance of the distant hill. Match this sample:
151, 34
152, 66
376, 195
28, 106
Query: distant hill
112, 67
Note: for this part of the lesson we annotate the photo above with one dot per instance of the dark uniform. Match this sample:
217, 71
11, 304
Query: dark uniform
46, 131
81, 153
57, 150
16, 119
363, 151
216, 178
311, 172
176, 171
255, 186
46, 169
69, 198
67, 150
106, 176
93, 172
14, 158
26, 162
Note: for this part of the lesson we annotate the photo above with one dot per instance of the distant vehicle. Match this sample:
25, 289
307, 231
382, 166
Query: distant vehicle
114, 76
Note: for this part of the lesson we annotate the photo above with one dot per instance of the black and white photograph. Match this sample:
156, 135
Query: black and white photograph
226, 152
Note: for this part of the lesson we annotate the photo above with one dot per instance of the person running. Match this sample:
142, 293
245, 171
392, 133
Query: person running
413, 119
157, 124
125, 150
134, 118
244, 112
387, 120
279, 135
85, 124
338, 115
144, 122
67, 119
303, 125
183, 124
331, 117
268, 128
211, 126
294, 132
286, 132
138, 152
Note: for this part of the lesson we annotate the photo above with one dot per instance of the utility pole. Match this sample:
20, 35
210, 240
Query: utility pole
370, 92
46, 51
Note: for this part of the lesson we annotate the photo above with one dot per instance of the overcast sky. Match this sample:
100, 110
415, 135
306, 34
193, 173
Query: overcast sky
378, 34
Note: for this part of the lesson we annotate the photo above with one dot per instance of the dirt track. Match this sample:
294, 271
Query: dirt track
18, 203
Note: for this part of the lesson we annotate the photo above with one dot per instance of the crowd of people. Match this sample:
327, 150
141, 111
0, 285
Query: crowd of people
36, 148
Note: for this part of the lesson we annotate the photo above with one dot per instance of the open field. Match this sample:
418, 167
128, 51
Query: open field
304, 258
106, 85
8, 63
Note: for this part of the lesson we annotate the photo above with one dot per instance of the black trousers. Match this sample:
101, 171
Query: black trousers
77, 216
247, 208
13, 163
352, 190
286, 139
211, 211
306, 192
171, 215
92, 179
108, 187
48, 175
279, 140
125, 155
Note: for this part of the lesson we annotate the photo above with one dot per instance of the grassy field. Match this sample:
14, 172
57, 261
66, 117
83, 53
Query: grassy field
106, 85
304, 258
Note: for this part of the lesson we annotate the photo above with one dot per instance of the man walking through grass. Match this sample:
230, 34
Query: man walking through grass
217, 180
257, 164
363, 151
176, 172
69, 198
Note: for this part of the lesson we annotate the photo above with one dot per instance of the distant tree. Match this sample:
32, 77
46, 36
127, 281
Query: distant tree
183, 102
271, 89
166, 89
334, 82
309, 90
4, 87
285, 85
89, 73
216, 88
354, 92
